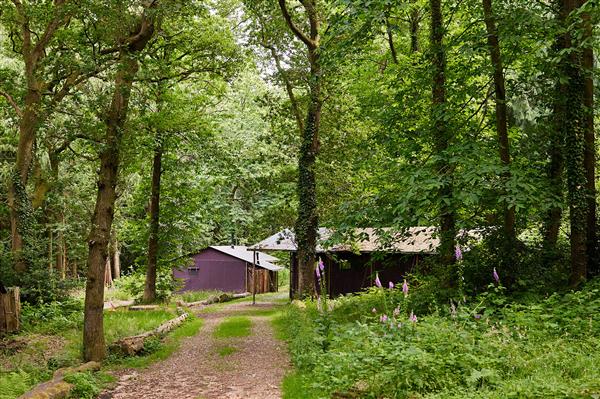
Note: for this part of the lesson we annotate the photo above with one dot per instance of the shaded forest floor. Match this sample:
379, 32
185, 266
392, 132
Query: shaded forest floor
236, 354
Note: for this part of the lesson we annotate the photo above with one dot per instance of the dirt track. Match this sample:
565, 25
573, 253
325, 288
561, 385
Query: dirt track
196, 370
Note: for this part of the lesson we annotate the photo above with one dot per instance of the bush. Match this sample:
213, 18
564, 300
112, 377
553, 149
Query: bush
134, 285
85, 385
52, 317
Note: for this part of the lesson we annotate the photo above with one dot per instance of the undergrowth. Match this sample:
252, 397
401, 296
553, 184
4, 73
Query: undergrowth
368, 346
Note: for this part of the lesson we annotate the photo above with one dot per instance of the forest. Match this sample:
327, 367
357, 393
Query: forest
134, 133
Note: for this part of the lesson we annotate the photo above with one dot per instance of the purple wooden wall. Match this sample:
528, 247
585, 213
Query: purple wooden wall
216, 271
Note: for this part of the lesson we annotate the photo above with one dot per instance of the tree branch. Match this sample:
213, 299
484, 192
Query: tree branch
299, 34
51, 29
12, 102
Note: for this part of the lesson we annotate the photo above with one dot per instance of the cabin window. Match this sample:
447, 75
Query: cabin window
193, 270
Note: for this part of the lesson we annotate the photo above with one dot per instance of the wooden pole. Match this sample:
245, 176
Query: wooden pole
253, 277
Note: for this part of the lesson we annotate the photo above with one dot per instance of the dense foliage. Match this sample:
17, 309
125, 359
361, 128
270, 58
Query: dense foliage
485, 348
134, 133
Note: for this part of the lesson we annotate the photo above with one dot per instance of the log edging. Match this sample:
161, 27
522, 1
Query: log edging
135, 344
57, 388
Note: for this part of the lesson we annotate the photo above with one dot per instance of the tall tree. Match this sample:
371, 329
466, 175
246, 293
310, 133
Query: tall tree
501, 114
308, 221
574, 125
442, 136
47, 80
99, 238
589, 158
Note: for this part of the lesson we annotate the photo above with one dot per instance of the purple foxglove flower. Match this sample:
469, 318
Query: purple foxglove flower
396, 312
413, 317
391, 285
321, 265
318, 272
405, 288
458, 253
383, 318
377, 281
373, 310
452, 309
495, 276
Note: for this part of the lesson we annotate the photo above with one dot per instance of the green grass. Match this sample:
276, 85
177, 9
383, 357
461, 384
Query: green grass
232, 327
125, 323
295, 386
226, 350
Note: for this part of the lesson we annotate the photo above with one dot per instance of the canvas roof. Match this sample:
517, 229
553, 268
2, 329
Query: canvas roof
414, 240
242, 252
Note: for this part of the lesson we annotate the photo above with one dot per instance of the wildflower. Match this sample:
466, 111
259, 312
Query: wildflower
412, 317
495, 276
458, 253
318, 272
377, 281
452, 309
405, 288
399, 325
321, 265
373, 310
477, 316
383, 318
391, 285
396, 312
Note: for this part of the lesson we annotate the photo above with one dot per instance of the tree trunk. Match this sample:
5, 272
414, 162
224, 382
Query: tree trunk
574, 127
99, 238
442, 137
414, 19
150, 285
116, 259
307, 224
19, 201
590, 144
501, 114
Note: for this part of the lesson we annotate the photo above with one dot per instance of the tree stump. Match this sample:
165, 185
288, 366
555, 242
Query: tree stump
10, 310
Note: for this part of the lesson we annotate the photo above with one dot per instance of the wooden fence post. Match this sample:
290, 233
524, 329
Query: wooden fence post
10, 310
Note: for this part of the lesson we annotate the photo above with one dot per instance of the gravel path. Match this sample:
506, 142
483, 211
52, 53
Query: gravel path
197, 371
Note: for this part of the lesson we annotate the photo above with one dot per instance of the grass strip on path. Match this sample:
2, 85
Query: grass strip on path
232, 327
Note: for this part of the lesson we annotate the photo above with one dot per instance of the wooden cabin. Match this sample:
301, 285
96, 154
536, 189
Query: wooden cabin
230, 269
353, 259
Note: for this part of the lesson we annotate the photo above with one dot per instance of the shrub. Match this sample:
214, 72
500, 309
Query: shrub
134, 285
52, 317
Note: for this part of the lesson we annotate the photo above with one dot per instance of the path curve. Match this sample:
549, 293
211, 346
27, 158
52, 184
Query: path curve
197, 371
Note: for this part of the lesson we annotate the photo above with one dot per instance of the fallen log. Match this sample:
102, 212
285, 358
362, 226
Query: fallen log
214, 299
57, 388
144, 307
112, 305
135, 344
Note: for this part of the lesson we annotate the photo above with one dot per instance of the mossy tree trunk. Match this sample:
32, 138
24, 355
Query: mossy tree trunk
307, 223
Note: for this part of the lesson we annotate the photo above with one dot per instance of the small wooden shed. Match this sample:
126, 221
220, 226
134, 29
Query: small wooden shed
351, 266
230, 269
